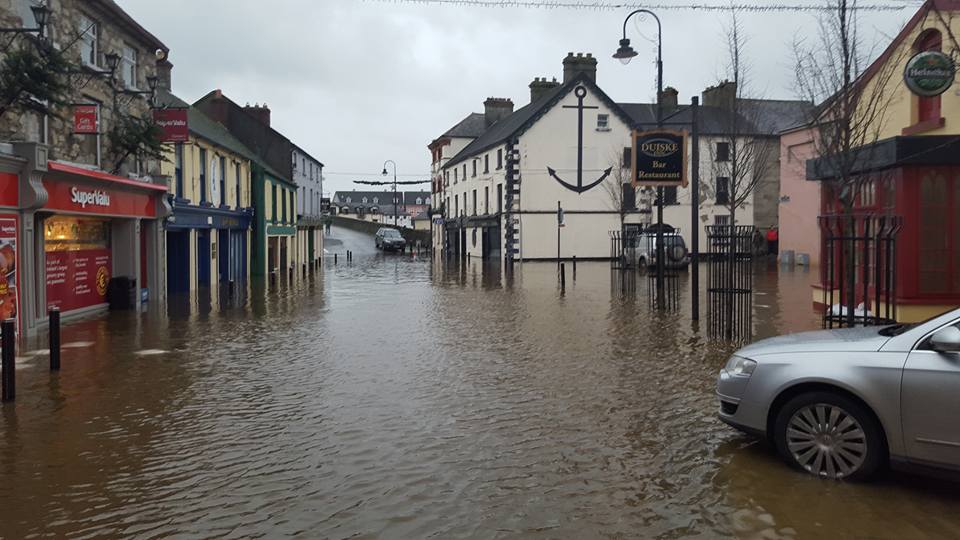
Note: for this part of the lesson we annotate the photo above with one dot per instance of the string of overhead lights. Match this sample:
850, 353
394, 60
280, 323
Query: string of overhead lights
895, 5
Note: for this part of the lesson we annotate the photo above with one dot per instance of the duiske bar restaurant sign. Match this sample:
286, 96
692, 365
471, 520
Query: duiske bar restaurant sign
659, 158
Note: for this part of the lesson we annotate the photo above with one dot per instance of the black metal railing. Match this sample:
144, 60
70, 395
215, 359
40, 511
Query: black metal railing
730, 281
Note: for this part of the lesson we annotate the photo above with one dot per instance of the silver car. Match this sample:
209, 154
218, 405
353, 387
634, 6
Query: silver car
842, 403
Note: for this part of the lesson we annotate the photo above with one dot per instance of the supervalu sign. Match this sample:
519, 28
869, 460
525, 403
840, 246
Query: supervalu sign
659, 158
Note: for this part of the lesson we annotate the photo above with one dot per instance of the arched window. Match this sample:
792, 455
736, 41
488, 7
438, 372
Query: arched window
928, 108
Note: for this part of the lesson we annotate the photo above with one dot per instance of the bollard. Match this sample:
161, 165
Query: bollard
8, 379
54, 331
563, 276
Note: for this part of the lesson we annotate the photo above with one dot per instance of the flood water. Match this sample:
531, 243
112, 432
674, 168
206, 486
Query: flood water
396, 398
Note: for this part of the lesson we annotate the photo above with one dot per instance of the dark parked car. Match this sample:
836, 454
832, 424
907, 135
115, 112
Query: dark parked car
389, 240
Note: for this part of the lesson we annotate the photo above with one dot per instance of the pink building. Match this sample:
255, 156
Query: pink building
799, 199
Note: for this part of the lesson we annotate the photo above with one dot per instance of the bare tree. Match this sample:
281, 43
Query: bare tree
614, 188
834, 70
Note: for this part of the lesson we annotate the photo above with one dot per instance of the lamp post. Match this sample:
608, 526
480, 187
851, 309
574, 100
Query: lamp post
390, 161
41, 14
625, 53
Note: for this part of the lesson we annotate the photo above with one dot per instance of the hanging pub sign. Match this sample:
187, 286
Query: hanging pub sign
929, 73
85, 119
659, 158
173, 124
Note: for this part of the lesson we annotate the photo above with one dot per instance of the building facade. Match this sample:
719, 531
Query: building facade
308, 176
208, 236
82, 217
378, 207
569, 148
275, 250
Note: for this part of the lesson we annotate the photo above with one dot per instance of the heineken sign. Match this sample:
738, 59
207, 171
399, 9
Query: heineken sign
659, 158
929, 73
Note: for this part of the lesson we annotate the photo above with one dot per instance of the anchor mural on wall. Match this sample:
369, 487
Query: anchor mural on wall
581, 93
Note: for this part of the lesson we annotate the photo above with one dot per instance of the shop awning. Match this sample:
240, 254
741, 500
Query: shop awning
932, 150
57, 167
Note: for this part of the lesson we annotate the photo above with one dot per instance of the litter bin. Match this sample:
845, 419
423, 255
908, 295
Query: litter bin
122, 292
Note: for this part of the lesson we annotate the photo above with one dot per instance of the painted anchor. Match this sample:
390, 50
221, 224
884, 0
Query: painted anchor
580, 92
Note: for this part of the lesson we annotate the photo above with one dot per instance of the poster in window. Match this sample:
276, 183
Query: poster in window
9, 299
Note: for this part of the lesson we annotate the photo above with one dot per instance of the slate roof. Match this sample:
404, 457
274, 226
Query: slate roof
384, 199
524, 117
205, 127
758, 117
471, 127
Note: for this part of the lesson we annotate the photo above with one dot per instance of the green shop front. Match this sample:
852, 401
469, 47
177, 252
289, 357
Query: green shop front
275, 250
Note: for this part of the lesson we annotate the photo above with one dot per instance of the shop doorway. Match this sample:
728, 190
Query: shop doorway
203, 259
283, 254
178, 262
272, 255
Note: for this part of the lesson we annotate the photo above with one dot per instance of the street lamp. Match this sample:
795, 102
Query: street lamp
113, 61
390, 161
625, 53
41, 14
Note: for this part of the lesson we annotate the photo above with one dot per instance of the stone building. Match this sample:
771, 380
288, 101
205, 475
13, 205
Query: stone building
79, 216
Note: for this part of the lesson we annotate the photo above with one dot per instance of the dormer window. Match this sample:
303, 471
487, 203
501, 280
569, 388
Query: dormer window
364, 200
349, 200
376, 200
419, 200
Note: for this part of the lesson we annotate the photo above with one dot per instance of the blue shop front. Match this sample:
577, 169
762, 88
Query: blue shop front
207, 249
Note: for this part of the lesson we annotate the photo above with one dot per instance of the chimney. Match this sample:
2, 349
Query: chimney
260, 112
575, 65
539, 87
164, 70
669, 98
722, 95
496, 108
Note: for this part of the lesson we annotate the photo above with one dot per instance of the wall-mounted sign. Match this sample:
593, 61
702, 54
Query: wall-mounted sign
929, 73
85, 119
95, 197
659, 158
173, 124
92, 199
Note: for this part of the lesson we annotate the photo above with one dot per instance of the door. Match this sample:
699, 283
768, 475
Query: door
930, 404
203, 259
178, 262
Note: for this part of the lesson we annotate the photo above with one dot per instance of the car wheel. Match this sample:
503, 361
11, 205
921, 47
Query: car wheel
829, 436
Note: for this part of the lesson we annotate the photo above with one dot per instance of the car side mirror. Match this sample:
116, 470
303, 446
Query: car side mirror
946, 340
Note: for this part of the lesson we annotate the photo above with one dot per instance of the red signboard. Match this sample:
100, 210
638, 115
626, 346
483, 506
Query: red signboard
91, 199
85, 119
78, 279
9, 299
9, 188
173, 123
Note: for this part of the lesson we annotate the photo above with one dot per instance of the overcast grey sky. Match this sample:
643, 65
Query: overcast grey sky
357, 82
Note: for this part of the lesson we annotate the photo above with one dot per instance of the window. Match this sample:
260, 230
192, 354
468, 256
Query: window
419, 200
223, 181
348, 200
499, 158
670, 195
721, 220
203, 175
90, 144
486, 163
283, 207
474, 202
464, 172
456, 205
499, 198
178, 169
128, 66
474, 163
486, 199
364, 200
454, 176
376, 200
928, 108
723, 190
627, 157
273, 202
603, 122
723, 151
89, 32
236, 167
446, 208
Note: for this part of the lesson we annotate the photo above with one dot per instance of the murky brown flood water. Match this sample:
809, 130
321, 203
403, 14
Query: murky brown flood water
390, 399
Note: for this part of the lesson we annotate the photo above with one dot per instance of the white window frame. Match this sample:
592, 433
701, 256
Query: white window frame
603, 122
129, 66
89, 30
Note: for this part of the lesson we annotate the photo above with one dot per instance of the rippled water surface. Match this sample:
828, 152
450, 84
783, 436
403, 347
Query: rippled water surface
395, 398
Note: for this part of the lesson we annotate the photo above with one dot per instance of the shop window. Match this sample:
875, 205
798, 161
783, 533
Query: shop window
937, 235
78, 261
928, 108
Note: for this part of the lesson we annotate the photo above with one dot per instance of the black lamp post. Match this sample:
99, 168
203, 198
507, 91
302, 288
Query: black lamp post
390, 161
41, 14
625, 53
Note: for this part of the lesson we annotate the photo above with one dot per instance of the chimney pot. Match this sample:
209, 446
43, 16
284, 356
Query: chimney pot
575, 65
495, 109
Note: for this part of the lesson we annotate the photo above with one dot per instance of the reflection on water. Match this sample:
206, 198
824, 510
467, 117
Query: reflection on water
396, 398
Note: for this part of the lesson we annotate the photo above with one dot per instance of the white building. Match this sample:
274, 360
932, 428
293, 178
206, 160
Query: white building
308, 175
571, 144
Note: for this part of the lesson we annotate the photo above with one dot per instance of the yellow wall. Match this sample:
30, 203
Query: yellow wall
191, 172
902, 104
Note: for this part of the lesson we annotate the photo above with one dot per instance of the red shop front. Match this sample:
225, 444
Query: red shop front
96, 227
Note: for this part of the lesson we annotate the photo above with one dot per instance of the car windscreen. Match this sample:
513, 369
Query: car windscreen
391, 233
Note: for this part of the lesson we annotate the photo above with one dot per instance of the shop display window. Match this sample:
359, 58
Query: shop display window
63, 233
